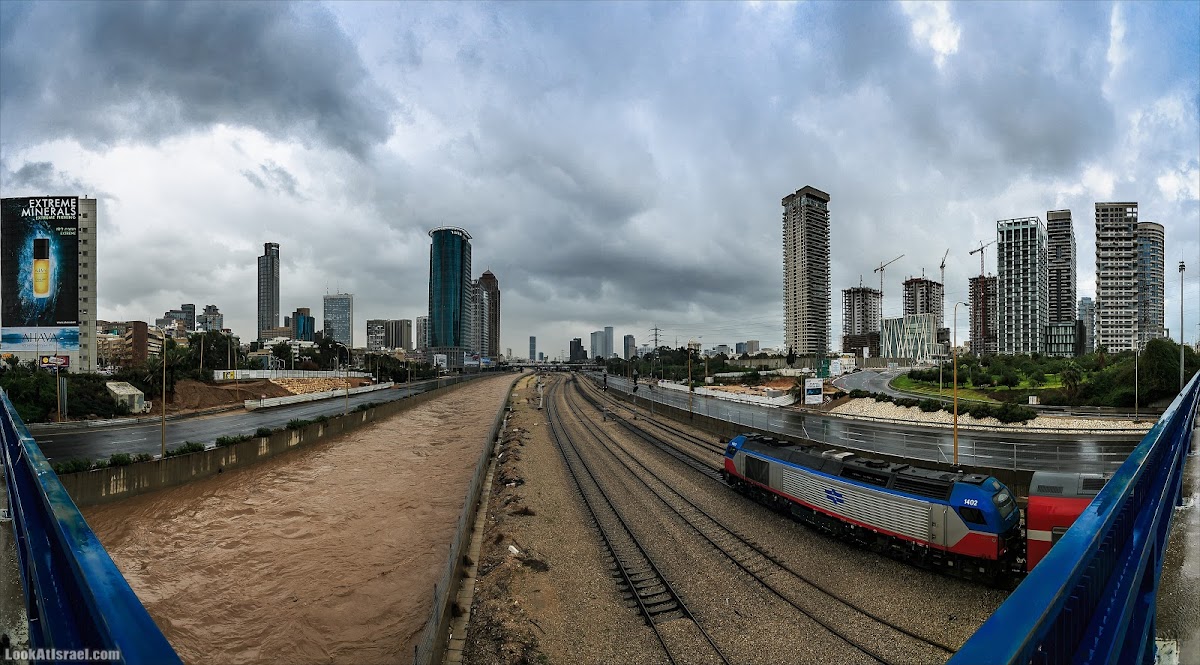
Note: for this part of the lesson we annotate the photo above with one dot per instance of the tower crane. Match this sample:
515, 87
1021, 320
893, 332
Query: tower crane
943, 268
980, 250
880, 271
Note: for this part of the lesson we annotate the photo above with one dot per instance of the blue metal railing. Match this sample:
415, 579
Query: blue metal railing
1092, 599
76, 599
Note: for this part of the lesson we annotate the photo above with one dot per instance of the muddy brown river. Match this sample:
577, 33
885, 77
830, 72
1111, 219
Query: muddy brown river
327, 554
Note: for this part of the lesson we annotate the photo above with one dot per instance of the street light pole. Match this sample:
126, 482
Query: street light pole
163, 358
1181, 269
954, 355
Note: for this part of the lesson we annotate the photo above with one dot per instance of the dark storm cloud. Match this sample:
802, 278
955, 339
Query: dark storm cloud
127, 71
36, 178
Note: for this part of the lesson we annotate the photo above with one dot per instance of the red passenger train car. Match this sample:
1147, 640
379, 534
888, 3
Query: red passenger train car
1056, 500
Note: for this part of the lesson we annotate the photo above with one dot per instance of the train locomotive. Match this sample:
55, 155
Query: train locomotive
966, 524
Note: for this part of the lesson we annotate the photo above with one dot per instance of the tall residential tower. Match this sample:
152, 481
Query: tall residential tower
1116, 275
492, 286
806, 283
1060, 248
1022, 285
1150, 276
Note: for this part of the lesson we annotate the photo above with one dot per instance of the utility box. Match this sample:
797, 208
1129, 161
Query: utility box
126, 394
1033, 400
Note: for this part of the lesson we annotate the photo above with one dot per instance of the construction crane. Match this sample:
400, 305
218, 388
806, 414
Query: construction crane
943, 268
880, 271
980, 250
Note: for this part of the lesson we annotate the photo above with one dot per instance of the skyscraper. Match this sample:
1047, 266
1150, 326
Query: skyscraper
532, 348
1022, 284
1116, 275
984, 324
597, 347
480, 318
1087, 314
806, 285
1060, 248
492, 286
925, 296
422, 332
268, 288
630, 347
450, 293
577, 354
397, 334
339, 318
1150, 276
609, 348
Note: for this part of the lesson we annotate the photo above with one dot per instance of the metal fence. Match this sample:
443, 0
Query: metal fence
1093, 598
75, 597
435, 636
1001, 447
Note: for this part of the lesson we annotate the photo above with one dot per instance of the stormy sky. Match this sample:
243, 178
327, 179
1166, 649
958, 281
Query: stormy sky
616, 163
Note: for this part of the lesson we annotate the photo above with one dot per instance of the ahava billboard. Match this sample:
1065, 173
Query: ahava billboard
39, 274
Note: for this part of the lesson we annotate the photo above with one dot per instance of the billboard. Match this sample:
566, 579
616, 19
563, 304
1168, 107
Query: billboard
812, 391
39, 274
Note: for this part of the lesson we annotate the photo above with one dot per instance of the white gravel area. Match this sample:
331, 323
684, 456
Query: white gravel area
914, 415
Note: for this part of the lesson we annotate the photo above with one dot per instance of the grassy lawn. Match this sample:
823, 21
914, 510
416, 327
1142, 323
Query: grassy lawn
904, 383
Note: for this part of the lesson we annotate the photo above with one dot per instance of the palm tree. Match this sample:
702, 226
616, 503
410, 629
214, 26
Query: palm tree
1070, 378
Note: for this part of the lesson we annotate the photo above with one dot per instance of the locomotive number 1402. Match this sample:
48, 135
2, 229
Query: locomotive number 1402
971, 502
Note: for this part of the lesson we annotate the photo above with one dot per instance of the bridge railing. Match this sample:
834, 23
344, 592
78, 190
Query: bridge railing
76, 599
1093, 598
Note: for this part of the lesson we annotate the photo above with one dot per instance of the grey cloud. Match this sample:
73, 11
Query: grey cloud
126, 71
273, 177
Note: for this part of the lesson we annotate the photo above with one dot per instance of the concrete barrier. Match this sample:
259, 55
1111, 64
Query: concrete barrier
121, 482
268, 402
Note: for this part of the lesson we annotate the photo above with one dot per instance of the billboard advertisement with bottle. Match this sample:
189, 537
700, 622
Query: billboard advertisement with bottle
39, 274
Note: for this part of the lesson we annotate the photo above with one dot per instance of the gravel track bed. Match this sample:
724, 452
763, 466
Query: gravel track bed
556, 601
893, 590
738, 613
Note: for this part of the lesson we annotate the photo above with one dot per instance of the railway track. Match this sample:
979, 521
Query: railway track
846, 620
639, 576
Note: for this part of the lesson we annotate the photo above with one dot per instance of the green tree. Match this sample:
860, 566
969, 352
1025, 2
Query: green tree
1071, 377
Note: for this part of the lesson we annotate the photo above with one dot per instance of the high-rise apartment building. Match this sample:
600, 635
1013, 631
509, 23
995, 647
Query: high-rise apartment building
1060, 249
806, 284
376, 329
1116, 275
480, 318
532, 348
492, 286
189, 316
630, 347
450, 293
1022, 284
339, 318
753, 346
1087, 314
422, 332
211, 319
397, 334
577, 354
609, 340
862, 312
925, 296
268, 288
984, 318
1151, 261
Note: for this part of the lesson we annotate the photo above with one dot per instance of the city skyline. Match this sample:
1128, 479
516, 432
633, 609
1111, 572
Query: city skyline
638, 239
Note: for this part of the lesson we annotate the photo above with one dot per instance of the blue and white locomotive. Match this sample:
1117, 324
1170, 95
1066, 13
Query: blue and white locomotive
963, 522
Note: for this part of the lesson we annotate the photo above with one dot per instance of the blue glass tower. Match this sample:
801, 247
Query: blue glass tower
450, 293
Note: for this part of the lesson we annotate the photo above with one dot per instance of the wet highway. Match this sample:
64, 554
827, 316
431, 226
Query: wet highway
1009, 449
97, 443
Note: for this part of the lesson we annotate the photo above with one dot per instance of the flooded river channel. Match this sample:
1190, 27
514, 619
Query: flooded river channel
326, 554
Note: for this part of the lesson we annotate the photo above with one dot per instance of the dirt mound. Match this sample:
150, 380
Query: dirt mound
191, 395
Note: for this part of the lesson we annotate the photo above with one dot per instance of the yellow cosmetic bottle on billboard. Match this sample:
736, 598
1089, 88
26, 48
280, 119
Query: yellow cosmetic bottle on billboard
41, 267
